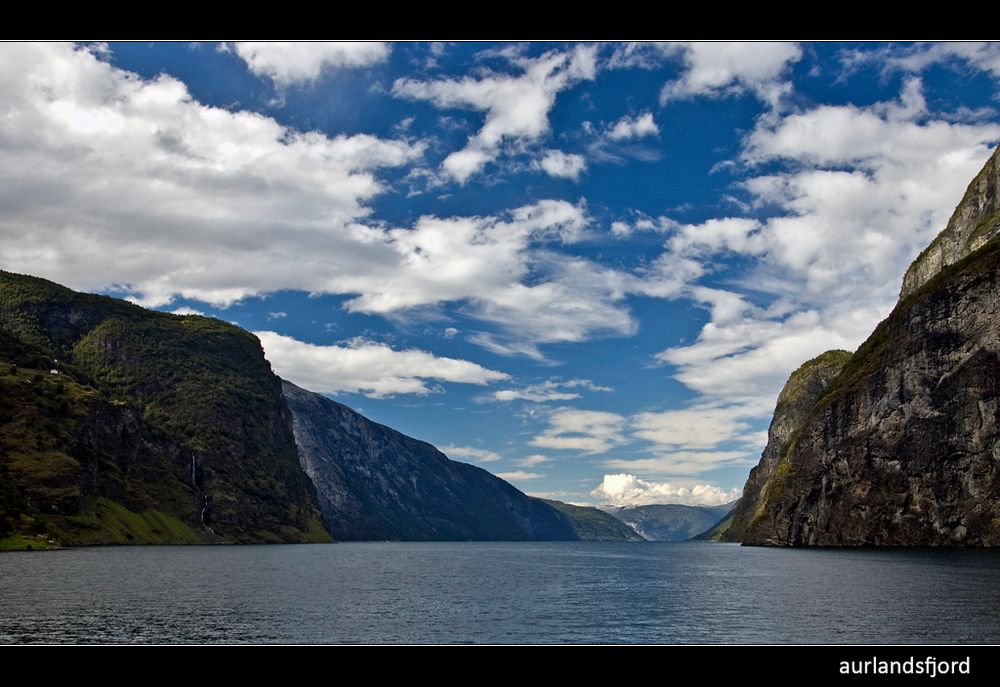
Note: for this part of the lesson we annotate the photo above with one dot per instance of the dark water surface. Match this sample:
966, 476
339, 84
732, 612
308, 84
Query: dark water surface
499, 593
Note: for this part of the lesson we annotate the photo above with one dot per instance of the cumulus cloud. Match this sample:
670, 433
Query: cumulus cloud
716, 69
229, 203
479, 455
556, 163
519, 475
586, 431
550, 390
633, 127
628, 490
367, 367
716, 235
516, 106
854, 193
697, 427
233, 204
297, 62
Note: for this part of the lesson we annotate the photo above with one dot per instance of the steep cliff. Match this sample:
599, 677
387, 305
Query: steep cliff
975, 221
902, 448
796, 399
376, 483
124, 425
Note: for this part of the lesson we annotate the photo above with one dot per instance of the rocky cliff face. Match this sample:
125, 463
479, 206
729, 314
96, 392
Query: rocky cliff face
123, 425
975, 221
376, 483
796, 399
902, 447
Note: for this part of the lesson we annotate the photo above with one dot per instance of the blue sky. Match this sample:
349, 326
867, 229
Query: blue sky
587, 268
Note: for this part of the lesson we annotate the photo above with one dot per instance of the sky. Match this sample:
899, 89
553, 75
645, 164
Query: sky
587, 268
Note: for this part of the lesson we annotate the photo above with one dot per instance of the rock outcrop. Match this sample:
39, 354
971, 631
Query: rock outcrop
797, 398
902, 447
975, 221
376, 483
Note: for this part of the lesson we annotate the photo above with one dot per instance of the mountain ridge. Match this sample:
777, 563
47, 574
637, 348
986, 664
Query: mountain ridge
899, 448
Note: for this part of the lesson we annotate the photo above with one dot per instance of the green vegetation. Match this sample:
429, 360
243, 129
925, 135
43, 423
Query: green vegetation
592, 524
717, 532
149, 425
26, 542
797, 385
112, 523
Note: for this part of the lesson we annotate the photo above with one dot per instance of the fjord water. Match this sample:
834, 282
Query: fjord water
552, 592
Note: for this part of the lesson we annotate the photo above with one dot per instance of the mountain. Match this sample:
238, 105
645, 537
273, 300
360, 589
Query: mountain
124, 425
671, 521
798, 397
376, 483
901, 447
593, 524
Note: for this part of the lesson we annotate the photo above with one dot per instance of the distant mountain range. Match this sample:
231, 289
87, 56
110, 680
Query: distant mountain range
120, 425
669, 522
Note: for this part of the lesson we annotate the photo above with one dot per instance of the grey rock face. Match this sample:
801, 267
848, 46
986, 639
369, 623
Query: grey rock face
376, 483
901, 447
903, 450
975, 221
797, 398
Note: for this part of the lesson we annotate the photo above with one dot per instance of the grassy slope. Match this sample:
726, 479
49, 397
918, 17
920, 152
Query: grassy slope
199, 382
591, 524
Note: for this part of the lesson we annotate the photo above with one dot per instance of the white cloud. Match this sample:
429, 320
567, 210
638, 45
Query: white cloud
533, 460
366, 367
449, 333
984, 56
700, 426
556, 163
296, 62
633, 127
230, 203
233, 204
628, 490
716, 69
185, 310
516, 106
724, 68
857, 192
277, 315
713, 236
480, 455
684, 462
519, 475
748, 360
550, 390
586, 431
